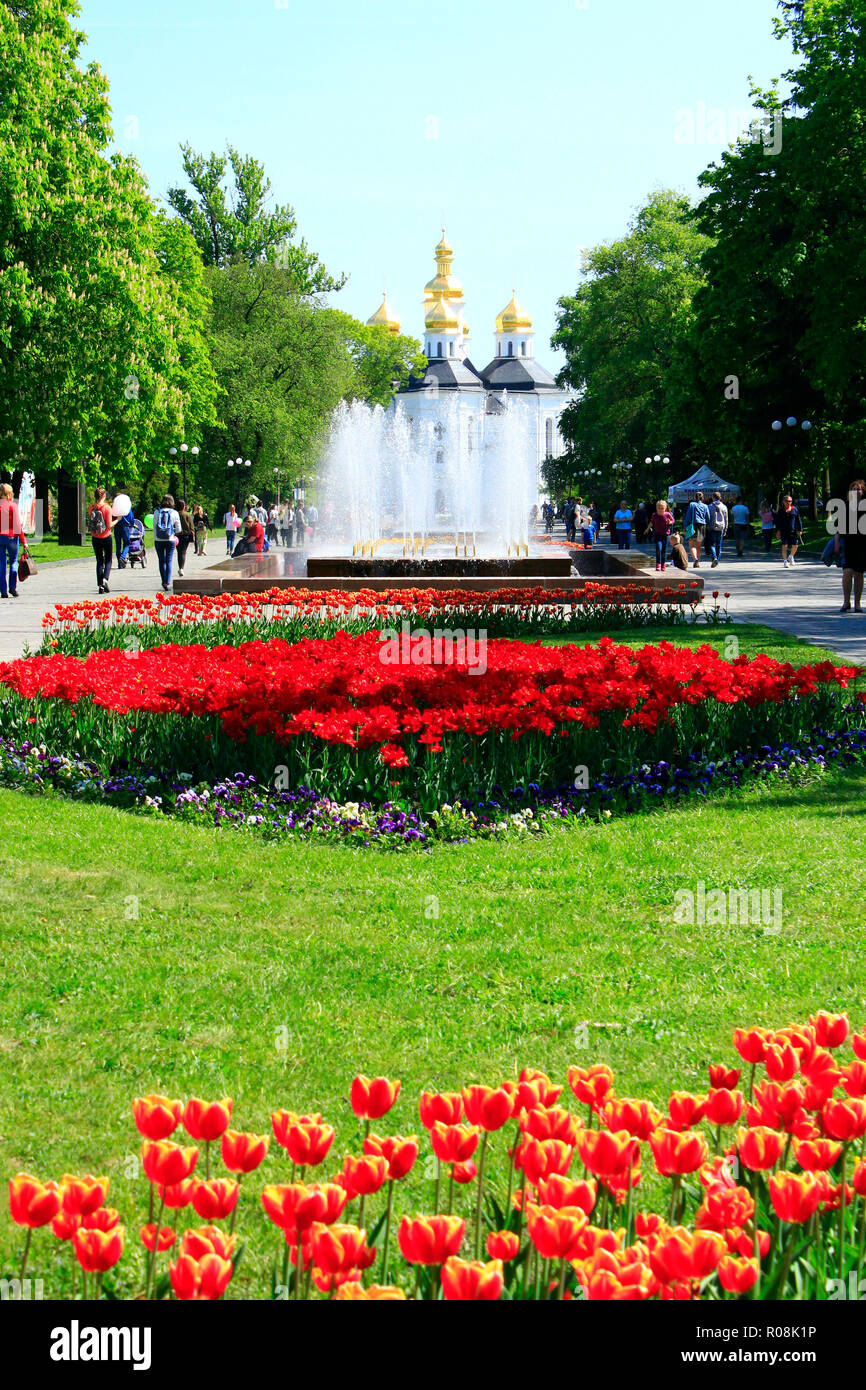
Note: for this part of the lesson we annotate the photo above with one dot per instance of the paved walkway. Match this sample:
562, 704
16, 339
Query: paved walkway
804, 601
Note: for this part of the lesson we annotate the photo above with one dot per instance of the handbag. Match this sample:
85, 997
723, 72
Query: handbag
688, 531
26, 566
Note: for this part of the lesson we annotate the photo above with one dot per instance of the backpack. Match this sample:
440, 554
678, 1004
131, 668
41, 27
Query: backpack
96, 523
163, 525
717, 516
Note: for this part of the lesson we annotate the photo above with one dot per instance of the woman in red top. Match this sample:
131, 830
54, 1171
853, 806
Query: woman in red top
254, 535
11, 540
100, 524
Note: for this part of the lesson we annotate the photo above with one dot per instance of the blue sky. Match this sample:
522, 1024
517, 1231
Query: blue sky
535, 127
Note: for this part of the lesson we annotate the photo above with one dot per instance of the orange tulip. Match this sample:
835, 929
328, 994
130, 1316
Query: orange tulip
97, 1251
442, 1107
207, 1278
399, 1152
242, 1153
216, 1199
81, 1196
591, 1085
472, 1280
156, 1117
376, 1293
503, 1245
604, 1153
453, 1143
795, 1196
33, 1203
363, 1176
724, 1107
430, 1240
167, 1237
371, 1100
738, 1275
555, 1233
759, 1148
488, 1107
845, 1119
675, 1151
296, 1206
207, 1120
166, 1163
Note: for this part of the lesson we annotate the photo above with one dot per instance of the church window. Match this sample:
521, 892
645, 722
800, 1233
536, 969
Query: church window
439, 349
510, 349
451, 348
548, 438
522, 349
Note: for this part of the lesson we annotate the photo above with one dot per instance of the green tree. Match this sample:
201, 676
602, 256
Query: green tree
101, 355
237, 226
625, 334
382, 361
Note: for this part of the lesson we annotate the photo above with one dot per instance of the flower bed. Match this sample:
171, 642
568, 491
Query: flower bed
764, 1190
332, 715
76, 629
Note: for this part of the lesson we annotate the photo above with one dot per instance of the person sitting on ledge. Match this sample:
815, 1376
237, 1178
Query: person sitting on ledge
254, 535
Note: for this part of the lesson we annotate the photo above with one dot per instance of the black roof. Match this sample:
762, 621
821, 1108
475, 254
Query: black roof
446, 374
517, 374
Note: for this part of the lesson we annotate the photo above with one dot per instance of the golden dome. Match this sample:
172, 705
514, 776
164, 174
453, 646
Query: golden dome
514, 318
384, 317
443, 285
440, 317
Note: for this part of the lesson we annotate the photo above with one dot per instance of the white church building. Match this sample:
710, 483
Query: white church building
454, 393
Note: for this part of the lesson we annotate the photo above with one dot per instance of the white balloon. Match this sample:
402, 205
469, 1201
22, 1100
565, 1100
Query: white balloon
122, 505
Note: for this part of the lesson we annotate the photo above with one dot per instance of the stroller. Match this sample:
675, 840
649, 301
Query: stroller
137, 554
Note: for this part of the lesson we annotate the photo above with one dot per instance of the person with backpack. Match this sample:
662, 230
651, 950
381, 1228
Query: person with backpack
166, 530
187, 535
100, 524
695, 523
717, 527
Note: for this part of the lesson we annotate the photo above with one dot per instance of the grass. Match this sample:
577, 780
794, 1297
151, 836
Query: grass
141, 956
49, 550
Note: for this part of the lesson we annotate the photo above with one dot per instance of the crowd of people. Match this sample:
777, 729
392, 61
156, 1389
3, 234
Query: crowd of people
284, 524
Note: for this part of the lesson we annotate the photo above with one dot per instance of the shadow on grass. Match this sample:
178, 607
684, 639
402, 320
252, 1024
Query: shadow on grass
839, 791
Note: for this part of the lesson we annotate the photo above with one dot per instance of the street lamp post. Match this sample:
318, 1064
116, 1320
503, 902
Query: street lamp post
184, 450
238, 463
792, 423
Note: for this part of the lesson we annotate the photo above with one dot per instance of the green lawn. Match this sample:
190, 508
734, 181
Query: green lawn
49, 550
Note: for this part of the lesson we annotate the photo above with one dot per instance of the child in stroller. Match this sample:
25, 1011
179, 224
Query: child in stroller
137, 549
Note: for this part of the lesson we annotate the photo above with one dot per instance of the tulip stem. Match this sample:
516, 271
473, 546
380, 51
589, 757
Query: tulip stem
480, 1194
786, 1262
842, 1215
153, 1258
361, 1210
563, 1269
511, 1175
27, 1241
756, 1247
387, 1231
299, 1251
285, 1279
438, 1185
207, 1160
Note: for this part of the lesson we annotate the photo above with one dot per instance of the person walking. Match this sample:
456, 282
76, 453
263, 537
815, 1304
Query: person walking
852, 542
695, 524
661, 526
201, 526
740, 516
789, 529
232, 523
718, 525
622, 526
273, 526
288, 525
300, 526
186, 537
166, 532
12, 541
312, 521
100, 524
768, 526
122, 534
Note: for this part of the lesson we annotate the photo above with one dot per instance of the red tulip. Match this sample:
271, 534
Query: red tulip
679, 1152
554, 1123
296, 1206
207, 1240
81, 1196
638, 1117
308, 1144
604, 1153
817, 1155
685, 1110
371, 1100
858, 1177
242, 1153
105, 1219
559, 1191
539, 1158
63, 1225
781, 1061
206, 1121
376, 1293
33, 1203
453, 1143
858, 1042
844, 1119
165, 1162
536, 1090
340, 1249
216, 1199
682, 1254
795, 1196
400, 1152
503, 1245
156, 1117
751, 1043
472, 1280
854, 1080
831, 1030
488, 1107
724, 1078
464, 1173
207, 1278
167, 1237
724, 1107
363, 1176
442, 1107
178, 1195
759, 1148
738, 1275
430, 1240
591, 1085
555, 1233
97, 1251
